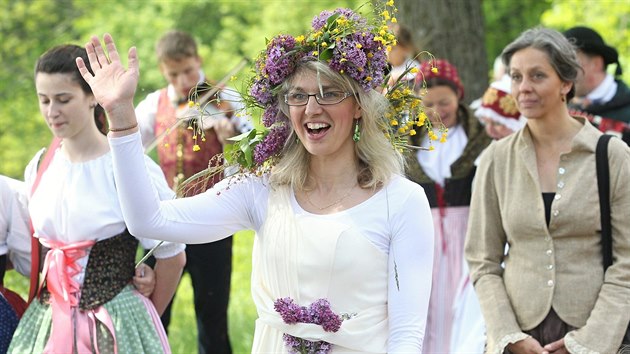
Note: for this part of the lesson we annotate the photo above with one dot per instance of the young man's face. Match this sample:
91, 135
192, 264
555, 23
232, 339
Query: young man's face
183, 74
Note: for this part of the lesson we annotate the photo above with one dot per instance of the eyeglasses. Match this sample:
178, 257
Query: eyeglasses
328, 98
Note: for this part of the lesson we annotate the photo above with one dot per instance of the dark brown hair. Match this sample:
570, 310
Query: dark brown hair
62, 60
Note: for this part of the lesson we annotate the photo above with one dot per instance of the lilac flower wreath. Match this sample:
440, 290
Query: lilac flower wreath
343, 39
319, 313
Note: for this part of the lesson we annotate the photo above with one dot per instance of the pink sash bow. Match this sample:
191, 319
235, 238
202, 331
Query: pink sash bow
73, 330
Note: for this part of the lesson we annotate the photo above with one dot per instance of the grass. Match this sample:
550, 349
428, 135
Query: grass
183, 328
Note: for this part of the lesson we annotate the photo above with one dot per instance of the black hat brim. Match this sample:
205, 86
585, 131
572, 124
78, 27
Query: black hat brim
609, 54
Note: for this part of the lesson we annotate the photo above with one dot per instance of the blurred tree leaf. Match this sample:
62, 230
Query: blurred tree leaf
505, 20
452, 30
610, 18
27, 29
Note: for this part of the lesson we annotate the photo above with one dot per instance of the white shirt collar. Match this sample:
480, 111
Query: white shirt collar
437, 164
605, 91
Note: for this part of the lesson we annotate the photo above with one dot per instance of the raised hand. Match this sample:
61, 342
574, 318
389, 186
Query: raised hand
113, 86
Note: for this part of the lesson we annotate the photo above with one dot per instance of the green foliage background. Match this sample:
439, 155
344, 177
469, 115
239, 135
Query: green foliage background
227, 32
505, 20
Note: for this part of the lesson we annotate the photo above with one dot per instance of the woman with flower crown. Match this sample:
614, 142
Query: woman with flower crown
343, 246
86, 302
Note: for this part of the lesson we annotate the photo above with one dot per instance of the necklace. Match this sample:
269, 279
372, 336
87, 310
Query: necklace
348, 193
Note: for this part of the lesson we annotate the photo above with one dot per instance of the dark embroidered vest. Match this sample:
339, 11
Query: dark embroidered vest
177, 158
110, 267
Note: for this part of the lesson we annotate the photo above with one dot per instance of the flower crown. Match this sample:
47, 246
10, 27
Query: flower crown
341, 38
349, 44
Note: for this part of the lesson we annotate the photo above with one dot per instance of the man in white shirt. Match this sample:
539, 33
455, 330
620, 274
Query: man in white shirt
184, 149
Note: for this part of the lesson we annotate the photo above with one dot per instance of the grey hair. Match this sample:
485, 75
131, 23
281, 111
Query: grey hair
561, 53
378, 160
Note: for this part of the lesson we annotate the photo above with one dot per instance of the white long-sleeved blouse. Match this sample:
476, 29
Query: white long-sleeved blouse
396, 220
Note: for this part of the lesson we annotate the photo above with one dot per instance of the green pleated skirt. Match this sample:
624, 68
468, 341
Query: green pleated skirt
136, 324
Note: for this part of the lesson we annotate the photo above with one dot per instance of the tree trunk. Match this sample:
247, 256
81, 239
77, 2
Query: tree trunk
452, 30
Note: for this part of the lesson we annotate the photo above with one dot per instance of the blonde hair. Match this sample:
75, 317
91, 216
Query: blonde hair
378, 159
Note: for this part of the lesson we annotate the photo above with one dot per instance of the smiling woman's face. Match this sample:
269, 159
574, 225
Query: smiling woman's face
322, 129
441, 101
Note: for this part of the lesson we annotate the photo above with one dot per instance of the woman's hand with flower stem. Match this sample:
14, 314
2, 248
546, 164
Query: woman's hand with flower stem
113, 86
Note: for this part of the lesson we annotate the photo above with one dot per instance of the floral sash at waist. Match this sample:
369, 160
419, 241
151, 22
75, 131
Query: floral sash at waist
71, 327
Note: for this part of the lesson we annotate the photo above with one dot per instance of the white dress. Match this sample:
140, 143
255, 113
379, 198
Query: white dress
352, 258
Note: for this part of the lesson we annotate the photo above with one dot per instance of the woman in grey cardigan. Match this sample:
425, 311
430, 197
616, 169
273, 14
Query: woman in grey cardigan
536, 191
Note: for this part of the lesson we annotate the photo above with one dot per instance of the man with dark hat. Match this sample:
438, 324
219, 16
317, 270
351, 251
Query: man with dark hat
597, 92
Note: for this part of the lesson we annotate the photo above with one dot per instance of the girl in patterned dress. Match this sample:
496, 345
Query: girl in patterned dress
86, 302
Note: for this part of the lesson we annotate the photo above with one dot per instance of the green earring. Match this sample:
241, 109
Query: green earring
357, 133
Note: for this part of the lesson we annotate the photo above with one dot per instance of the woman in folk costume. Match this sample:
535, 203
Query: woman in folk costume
446, 175
86, 302
343, 250
498, 113
15, 253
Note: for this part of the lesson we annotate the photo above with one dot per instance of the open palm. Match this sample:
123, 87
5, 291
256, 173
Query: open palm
111, 83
